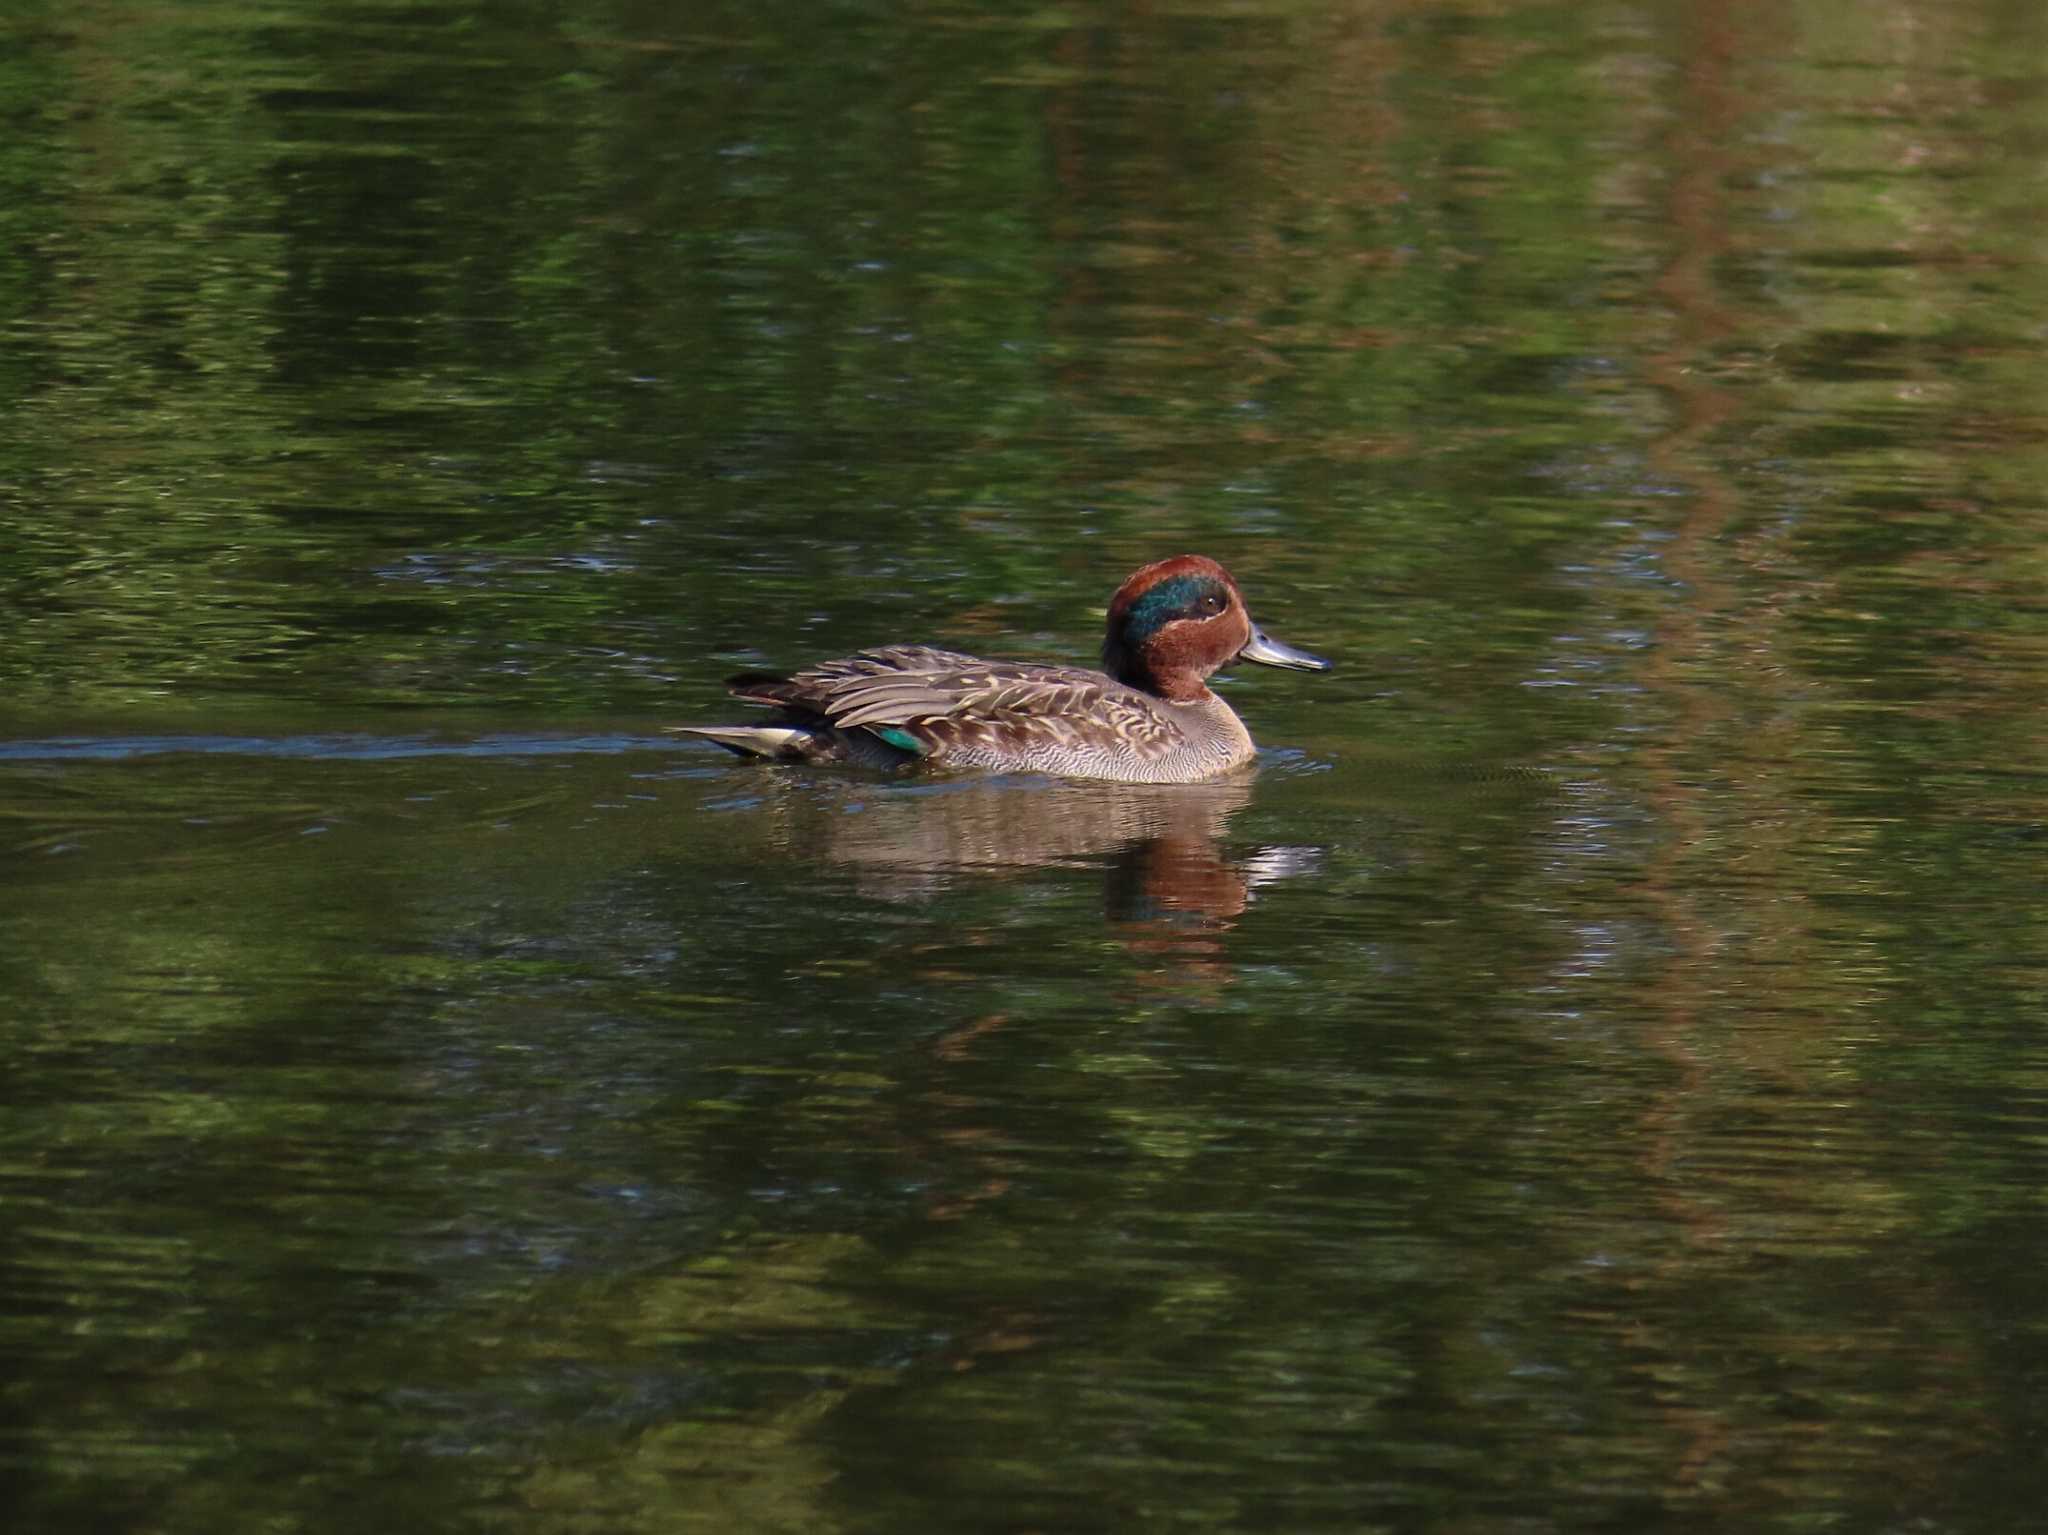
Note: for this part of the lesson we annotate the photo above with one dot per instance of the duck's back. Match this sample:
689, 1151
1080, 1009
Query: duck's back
957, 710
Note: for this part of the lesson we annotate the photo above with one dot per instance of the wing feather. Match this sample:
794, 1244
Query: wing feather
953, 702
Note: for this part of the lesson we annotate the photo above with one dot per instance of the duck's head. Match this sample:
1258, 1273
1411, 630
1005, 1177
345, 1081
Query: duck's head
1176, 621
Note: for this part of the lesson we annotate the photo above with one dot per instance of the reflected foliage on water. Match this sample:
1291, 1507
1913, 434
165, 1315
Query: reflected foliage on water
1586, 1078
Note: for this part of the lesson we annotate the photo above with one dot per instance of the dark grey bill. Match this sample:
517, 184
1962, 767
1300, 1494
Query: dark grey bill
1269, 652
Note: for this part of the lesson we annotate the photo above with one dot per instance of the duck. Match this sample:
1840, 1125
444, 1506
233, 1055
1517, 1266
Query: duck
1148, 716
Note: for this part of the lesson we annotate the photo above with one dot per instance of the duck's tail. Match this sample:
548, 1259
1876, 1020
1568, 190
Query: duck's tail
777, 743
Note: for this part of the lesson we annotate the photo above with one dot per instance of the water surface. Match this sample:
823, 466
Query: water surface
1589, 1076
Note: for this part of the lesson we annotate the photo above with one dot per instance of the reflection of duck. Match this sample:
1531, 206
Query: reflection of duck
1163, 844
1151, 719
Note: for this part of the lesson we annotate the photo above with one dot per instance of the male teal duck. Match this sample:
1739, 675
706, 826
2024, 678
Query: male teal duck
1151, 719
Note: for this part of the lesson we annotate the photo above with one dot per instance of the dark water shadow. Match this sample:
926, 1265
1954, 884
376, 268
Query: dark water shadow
336, 747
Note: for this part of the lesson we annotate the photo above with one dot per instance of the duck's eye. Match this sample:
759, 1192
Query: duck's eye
1211, 604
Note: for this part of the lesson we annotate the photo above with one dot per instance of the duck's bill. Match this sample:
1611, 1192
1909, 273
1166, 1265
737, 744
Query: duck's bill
1270, 652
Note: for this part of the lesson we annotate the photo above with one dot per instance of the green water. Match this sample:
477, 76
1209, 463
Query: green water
1592, 1077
